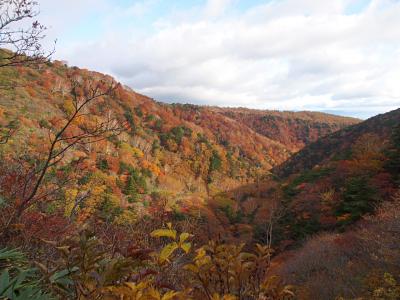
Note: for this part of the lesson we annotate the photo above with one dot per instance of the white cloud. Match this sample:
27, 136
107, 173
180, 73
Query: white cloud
215, 8
290, 54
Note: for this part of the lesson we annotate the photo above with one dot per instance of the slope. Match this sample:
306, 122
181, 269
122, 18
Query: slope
292, 129
329, 185
170, 157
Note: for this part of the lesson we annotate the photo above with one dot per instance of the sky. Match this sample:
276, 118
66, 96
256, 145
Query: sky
338, 56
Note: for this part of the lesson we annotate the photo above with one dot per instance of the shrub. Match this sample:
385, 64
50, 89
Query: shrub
18, 281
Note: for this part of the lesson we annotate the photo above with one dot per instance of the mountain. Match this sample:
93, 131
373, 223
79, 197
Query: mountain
292, 129
339, 143
88, 168
341, 200
328, 185
185, 151
342, 177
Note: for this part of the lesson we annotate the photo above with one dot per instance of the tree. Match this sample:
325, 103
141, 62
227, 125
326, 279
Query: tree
368, 154
135, 185
393, 153
265, 232
215, 161
23, 42
358, 198
19, 45
29, 188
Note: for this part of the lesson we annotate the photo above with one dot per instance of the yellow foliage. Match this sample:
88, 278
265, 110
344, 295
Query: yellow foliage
389, 288
128, 150
143, 291
70, 196
177, 243
169, 232
228, 268
69, 107
218, 271
91, 202
127, 217
167, 251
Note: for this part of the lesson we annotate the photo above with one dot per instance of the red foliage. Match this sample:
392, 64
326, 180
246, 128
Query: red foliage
47, 227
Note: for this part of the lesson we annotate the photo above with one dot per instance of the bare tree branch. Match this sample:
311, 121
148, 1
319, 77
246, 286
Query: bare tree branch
21, 45
83, 95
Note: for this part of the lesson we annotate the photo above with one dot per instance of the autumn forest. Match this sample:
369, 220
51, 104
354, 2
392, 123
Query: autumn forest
106, 193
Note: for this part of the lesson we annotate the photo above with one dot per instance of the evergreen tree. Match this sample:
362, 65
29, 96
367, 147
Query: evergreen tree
358, 198
393, 164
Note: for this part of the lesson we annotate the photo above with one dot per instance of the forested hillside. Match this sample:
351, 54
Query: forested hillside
83, 156
331, 211
109, 194
292, 129
183, 152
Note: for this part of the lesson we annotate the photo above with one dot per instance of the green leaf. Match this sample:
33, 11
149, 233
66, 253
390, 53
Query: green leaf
58, 275
4, 282
11, 255
20, 279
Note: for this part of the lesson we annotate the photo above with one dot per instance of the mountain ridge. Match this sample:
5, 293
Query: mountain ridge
309, 156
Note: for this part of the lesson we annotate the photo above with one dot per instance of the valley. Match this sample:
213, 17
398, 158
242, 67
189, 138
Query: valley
82, 151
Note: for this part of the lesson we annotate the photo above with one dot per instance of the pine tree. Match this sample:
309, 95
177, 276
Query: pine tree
393, 164
358, 198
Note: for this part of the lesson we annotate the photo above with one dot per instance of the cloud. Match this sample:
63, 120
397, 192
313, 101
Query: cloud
215, 8
290, 54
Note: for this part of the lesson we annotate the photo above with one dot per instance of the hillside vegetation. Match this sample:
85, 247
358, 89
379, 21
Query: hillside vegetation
113, 195
292, 129
181, 152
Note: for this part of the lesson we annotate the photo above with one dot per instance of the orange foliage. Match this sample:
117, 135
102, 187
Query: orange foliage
154, 169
